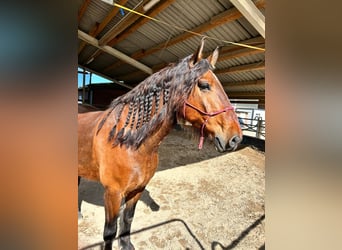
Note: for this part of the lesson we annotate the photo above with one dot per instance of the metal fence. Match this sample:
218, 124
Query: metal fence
255, 127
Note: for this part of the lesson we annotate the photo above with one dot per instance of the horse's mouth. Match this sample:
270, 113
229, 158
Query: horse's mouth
231, 146
218, 145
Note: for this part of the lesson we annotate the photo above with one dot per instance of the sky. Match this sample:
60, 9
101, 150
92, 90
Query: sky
94, 79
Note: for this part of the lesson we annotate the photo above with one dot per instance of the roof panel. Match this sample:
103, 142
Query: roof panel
96, 12
182, 13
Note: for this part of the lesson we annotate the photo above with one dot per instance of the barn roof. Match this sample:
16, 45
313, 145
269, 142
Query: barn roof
127, 47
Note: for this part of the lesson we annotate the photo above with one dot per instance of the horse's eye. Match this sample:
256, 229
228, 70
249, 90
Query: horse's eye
203, 85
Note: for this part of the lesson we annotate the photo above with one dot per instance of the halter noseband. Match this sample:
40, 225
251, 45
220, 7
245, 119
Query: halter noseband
211, 114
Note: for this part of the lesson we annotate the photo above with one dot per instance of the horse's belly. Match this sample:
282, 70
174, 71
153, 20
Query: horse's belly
88, 173
87, 165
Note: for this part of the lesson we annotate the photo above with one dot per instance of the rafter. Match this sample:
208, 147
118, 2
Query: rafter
242, 68
109, 17
83, 9
246, 95
118, 54
99, 27
239, 53
129, 19
91, 33
229, 15
225, 54
151, 13
224, 17
252, 14
119, 36
260, 82
258, 41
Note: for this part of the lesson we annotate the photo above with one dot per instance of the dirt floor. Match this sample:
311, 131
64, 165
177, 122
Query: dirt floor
196, 200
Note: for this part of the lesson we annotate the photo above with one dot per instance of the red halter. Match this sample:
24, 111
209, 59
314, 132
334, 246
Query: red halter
200, 145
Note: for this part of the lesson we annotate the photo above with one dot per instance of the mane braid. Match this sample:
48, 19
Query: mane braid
149, 110
135, 107
145, 108
129, 114
141, 110
146, 112
165, 96
157, 94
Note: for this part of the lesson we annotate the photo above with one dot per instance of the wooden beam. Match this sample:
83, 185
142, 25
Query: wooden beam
109, 17
224, 17
246, 95
252, 14
129, 19
239, 53
242, 68
163, 4
118, 54
226, 50
258, 40
229, 15
129, 77
83, 43
233, 85
99, 27
260, 82
83, 9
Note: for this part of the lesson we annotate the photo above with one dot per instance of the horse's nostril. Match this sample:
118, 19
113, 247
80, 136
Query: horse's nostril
234, 141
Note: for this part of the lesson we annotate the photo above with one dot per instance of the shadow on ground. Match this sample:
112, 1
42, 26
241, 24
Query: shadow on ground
242, 235
92, 192
214, 244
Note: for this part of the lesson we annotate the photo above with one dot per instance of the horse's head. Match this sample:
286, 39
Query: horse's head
209, 109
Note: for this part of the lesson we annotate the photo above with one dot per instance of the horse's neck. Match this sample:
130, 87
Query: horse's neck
155, 140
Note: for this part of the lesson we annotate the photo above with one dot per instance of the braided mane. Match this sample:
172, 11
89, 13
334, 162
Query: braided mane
154, 101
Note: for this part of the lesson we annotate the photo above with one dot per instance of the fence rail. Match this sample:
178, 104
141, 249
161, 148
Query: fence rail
256, 126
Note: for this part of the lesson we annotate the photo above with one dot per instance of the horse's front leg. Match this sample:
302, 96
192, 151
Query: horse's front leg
126, 219
79, 202
112, 200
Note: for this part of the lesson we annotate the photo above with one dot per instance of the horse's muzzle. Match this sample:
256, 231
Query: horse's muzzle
232, 144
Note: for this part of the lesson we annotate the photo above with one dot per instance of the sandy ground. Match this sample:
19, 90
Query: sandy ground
196, 200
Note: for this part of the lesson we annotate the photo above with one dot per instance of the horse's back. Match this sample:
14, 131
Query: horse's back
83, 108
87, 125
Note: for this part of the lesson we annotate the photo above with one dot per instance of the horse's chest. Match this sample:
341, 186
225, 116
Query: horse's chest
143, 171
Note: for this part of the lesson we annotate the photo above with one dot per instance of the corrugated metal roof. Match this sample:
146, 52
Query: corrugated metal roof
188, 14
96, 12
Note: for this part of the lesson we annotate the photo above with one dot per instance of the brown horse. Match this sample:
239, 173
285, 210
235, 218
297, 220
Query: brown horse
83, 108
119, 146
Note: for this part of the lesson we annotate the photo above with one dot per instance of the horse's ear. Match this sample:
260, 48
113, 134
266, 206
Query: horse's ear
197, 56
213, 57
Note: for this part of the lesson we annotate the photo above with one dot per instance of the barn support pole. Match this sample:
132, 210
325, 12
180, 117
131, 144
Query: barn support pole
83, 89
259, 123
90, 99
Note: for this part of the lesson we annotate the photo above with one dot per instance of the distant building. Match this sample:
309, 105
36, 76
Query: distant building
101, 95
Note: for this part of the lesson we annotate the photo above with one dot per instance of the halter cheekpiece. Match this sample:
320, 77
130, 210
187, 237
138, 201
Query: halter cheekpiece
211, 114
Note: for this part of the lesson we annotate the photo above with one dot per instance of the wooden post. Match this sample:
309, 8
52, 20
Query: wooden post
259, 123
83, 89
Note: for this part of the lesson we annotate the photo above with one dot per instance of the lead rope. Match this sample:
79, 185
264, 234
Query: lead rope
200, 144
